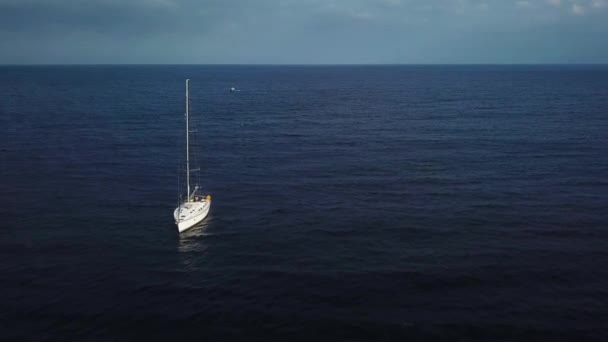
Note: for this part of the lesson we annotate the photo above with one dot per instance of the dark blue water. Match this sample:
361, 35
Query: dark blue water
350, 203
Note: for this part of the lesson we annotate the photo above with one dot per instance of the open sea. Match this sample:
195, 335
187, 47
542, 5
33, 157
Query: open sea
350, 203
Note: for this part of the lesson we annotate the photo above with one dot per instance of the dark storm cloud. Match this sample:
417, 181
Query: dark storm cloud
302, 31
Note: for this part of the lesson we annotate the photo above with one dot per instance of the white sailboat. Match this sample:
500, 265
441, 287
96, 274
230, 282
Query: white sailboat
194, 208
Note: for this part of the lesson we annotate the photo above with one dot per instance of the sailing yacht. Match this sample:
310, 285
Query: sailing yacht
194, 208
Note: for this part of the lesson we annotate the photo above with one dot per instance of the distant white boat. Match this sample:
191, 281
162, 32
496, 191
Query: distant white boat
233, 89
194, 208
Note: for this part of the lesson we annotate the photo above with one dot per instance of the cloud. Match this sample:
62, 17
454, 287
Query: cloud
98, 16
392, 3
484, 6
578, 9
242, 31
523, 4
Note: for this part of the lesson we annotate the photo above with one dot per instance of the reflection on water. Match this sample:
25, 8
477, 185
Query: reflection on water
192, 240
192, 244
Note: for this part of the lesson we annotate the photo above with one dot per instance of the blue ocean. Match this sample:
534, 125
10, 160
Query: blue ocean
350, 203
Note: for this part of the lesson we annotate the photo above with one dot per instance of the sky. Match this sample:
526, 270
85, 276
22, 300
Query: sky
303, 31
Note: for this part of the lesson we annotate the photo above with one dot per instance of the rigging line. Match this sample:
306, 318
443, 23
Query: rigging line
193, 143
178, 143
198, 158
196, 149
181, 159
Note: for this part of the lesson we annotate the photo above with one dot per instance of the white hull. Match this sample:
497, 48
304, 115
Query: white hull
189, 214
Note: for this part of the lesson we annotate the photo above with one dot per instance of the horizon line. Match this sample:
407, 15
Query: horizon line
304, 64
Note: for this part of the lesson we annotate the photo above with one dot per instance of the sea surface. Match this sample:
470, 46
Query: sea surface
350, 203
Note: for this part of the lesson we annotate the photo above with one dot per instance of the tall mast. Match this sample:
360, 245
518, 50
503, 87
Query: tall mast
187, 144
